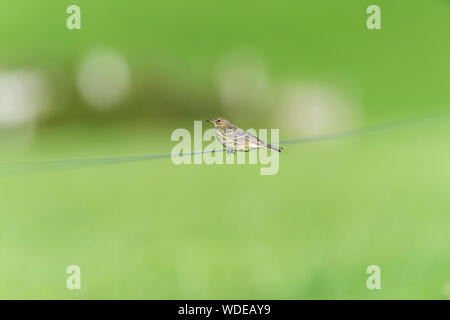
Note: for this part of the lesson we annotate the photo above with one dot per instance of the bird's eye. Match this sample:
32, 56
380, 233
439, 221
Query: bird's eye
218, 120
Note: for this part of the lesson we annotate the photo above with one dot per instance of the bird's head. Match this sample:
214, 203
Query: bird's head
219, 122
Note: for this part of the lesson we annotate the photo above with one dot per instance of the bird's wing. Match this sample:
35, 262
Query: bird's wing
241, 135
252, 137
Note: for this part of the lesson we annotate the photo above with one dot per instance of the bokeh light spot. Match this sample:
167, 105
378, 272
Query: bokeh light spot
104, 79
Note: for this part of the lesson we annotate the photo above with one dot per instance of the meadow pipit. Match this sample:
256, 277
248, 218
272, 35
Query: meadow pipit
235, 138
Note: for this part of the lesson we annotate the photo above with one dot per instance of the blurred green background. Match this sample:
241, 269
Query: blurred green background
137, 70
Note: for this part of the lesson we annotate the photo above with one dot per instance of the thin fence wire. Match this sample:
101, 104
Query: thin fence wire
63, 164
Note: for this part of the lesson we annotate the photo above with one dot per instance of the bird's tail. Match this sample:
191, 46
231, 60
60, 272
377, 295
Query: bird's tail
279, 149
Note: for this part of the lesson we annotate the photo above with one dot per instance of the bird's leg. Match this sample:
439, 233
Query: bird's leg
230, 151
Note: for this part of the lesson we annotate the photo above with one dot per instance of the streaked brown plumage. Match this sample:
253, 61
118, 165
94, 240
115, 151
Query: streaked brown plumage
235, 138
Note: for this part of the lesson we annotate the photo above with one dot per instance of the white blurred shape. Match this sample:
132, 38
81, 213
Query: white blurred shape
243, 83
316, 109
104, 79
446, 290
23, 96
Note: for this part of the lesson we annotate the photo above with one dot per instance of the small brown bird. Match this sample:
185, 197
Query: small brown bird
235, 138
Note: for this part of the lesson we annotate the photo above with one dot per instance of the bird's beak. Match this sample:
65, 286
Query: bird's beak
207, 120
